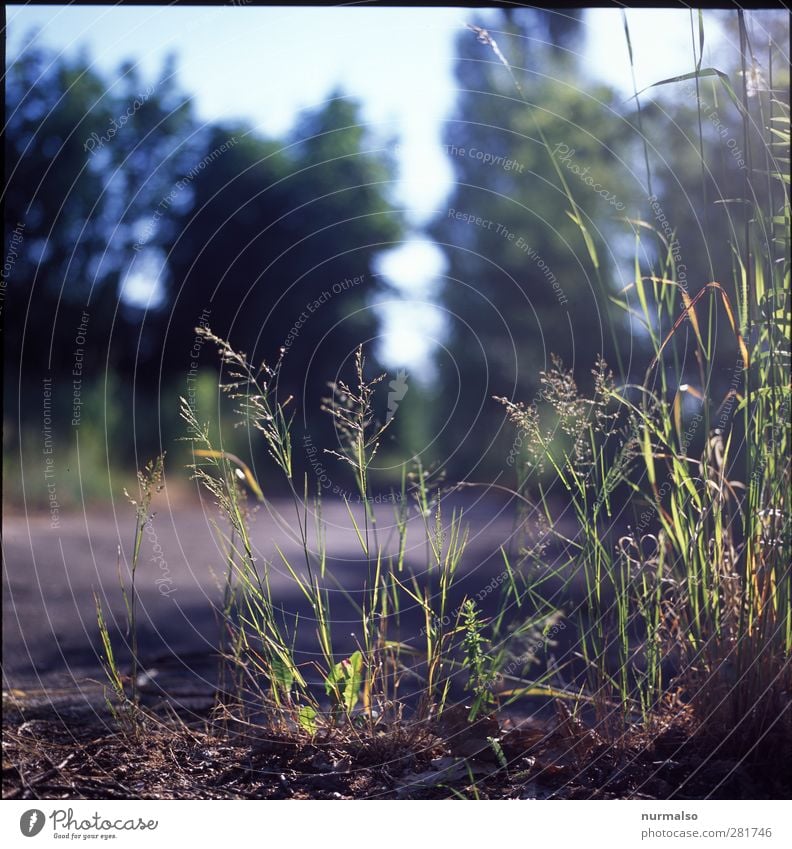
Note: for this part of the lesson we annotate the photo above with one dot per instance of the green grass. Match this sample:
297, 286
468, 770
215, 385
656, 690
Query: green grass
691, 610
688, 611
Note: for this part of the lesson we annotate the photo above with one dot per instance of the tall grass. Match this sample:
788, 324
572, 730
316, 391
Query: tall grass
126, 699
358, 689
688, 611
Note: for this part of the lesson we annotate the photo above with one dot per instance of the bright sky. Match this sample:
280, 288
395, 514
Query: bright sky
398, 61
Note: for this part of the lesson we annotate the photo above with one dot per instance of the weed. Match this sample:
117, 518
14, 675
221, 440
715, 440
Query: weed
692, 606
687, 616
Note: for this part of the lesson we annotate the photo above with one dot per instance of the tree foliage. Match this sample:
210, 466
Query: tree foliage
135, 213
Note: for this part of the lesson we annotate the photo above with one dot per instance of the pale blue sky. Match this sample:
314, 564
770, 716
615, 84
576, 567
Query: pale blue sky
398, 61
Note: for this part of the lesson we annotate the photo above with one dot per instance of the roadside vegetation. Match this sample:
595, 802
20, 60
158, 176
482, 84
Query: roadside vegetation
674, 676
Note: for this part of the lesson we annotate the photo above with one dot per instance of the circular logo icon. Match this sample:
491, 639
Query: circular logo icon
31, 822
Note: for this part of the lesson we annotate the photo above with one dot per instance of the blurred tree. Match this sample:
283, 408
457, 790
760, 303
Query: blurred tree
88, 159
521, 284
707, 173
138, 223
55, 198
278, 248
142, 168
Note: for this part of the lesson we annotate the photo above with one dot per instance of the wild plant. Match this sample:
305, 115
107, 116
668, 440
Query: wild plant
476, 661
125, 704
366, 682
690, 606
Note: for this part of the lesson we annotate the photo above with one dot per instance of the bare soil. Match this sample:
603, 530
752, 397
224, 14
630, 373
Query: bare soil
60, 741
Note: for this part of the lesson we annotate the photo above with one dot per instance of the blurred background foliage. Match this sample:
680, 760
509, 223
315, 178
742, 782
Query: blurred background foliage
522, 287
175, 221
146, 234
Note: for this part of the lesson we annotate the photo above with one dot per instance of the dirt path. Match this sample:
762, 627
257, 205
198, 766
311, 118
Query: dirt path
51, 573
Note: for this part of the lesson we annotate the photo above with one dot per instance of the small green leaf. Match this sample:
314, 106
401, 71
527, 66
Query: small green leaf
345, 680
306, 716
282, 673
